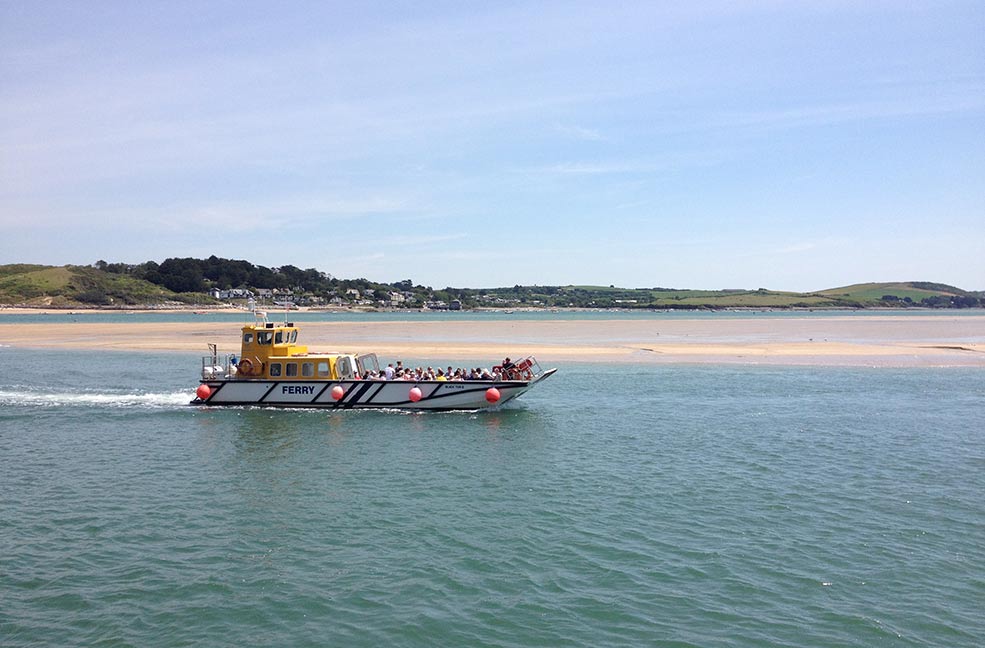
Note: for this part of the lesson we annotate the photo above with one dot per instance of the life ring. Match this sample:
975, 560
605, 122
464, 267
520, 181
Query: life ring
246, 367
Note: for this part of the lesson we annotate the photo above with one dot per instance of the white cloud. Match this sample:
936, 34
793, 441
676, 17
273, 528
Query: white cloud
580, 132
797, 248
411, 241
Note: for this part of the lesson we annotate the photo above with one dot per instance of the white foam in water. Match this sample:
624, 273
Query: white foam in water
40, 399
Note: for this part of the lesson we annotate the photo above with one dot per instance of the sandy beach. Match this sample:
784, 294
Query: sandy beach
874, 340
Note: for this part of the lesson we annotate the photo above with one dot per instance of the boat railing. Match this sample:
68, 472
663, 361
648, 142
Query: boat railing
525, 369
531, 366
216, 368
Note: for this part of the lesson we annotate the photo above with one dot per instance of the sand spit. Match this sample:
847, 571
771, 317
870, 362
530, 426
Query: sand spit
911, 340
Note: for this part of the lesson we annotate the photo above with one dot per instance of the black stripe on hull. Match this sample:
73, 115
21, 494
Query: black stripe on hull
318, 395
215, 390
267, 393
352, 399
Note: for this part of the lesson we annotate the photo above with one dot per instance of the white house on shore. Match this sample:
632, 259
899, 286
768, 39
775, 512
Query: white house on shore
232, 293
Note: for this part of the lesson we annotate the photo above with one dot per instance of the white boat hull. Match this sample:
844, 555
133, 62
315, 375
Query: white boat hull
365, 394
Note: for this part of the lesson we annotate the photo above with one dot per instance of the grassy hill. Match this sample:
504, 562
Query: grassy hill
869, 295
854, 296
874, 292
81, 286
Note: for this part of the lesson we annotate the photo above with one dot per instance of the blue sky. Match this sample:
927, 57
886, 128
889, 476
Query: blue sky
787, 145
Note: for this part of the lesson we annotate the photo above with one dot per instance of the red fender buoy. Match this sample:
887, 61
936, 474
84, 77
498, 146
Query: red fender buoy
203, 392
338, 392
415, 394
492, 395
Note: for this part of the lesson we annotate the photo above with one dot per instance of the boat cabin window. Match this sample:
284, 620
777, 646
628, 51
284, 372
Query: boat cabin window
307, 369
247, 338
323, 369
265, 337
343, 367
367, 364
286, 337
275, 368
292, 369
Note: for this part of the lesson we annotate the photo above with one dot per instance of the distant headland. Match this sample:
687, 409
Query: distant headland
187, 283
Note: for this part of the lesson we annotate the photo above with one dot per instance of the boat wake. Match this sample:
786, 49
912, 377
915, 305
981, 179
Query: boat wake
29, 398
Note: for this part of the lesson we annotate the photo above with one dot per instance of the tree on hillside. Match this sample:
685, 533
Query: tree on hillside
261, 277
182, 275
227, 273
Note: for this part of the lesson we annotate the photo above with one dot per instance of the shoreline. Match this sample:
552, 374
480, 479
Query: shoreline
211, 309
896, 341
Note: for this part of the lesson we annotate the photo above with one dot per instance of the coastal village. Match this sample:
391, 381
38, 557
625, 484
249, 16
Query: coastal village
351, 297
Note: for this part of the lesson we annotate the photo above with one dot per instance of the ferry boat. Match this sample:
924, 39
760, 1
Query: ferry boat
273, 370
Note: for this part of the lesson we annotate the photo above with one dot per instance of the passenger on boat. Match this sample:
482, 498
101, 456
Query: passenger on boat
506, 369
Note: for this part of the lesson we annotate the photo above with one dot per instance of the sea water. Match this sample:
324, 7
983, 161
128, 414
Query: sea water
448, 316
611, 506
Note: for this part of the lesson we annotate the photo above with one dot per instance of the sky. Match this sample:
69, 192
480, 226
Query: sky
777, 144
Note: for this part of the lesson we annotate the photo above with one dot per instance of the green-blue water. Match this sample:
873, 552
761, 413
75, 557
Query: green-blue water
103, 316
625, 506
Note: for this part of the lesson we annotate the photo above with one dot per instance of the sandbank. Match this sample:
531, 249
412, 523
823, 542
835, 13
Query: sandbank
891, 340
